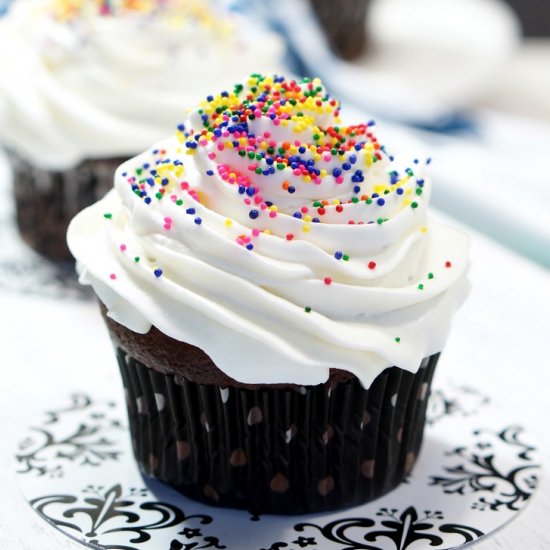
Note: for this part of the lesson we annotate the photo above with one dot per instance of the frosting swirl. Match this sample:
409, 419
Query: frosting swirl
80, 82
276, 240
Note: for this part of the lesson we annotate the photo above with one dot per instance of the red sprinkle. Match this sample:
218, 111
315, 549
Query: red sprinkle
448, 264
328, 280
289, 236
371, 265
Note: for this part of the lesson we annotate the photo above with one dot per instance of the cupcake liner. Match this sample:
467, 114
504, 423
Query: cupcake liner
277, 450
47, 200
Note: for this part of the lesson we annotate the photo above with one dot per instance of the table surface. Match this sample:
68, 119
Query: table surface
53, 347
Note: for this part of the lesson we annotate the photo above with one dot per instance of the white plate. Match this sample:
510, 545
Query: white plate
475, 473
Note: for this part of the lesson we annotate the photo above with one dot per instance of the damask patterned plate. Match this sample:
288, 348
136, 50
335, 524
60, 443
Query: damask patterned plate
475, 473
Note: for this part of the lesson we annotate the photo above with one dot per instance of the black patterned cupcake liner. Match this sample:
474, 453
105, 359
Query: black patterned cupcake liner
275, 450
47, 200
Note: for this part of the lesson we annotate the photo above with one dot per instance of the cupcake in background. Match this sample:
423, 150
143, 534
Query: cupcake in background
344, 25
87, 84
278, 298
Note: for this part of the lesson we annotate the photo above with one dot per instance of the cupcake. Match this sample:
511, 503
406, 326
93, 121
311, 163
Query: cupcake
87, 84
277, 298
344, 25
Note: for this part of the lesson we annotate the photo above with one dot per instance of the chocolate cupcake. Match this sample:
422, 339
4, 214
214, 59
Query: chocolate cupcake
277, 298
86, 85
344, 25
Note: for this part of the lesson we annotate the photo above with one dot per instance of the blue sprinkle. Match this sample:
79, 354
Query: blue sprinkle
297, 215
158, 272
249, 246
251, 191
338, 255
380, 202
399, 191
210, 172
253, 214
291, 189
147, 200
198, 221
190, 211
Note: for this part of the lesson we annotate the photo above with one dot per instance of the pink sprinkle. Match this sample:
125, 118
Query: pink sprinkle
339, 179
184, 185
276, 122
258, 199
221, 146
304, 209
247, 201
112, 276
212, 155
256, 232
272, 214
122, 247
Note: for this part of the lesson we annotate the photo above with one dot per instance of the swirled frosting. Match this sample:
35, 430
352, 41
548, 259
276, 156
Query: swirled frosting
83, 83
276, 240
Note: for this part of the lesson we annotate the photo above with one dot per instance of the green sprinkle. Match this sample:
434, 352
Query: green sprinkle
354, 200
414, 204
379, 221
420, 286
307, 309
281, 166
179, 202
368, 201
419, 191
430, 275
139, 171
258, 171
242, 153
345, 257
136, 259
107, 215
159, 196
397, 339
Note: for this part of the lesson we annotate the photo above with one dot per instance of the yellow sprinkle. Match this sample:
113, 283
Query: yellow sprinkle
228, 222
306, 228
307, 218
423, 229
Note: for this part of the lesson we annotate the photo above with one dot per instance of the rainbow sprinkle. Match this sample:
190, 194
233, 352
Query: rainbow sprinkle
179, 11
239, 132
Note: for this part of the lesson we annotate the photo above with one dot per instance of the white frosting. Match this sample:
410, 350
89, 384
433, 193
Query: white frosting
247, 308
110, 86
